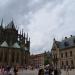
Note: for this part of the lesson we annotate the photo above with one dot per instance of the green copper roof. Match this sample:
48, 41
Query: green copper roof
4, 44
16, 45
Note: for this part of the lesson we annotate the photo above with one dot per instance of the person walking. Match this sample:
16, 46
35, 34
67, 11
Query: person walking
15, 70
55, 72
1, 70
41, 72
50, 71
59, 71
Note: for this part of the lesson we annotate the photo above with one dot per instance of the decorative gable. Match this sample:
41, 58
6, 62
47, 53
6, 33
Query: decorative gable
4, 44
16, 45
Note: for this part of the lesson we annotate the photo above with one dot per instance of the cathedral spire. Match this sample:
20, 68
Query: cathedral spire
54, 39
24, 35
29, 39
12, 23
20, 35
27, 36
2, 23
22, 32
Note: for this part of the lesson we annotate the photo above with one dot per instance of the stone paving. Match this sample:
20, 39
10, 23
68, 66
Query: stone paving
72, 72
35, 72
28, 72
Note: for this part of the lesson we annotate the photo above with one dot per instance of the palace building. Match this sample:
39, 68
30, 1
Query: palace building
37, 60
14, 46
63, 52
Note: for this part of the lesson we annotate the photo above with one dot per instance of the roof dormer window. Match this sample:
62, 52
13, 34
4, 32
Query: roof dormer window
74, 41
66, 43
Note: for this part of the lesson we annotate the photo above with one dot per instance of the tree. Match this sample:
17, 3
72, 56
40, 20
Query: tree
46, 62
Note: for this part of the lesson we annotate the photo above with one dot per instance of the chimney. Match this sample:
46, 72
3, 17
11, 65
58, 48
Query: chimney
71, 35
54, 39
65, 37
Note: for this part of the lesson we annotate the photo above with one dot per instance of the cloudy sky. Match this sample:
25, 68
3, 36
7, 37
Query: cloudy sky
42, 19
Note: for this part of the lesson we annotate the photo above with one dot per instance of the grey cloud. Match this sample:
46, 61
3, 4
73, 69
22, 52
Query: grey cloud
21, 11
61, 14
62, 20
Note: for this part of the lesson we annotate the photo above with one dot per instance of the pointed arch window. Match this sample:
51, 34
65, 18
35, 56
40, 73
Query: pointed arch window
1, 55
13, 55
6, 56
17, 58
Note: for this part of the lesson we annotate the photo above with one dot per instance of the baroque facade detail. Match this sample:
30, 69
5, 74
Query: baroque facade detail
63, 53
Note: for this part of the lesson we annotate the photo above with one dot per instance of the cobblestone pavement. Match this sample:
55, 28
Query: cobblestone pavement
72, 72
24, 72
35, 72
28, 72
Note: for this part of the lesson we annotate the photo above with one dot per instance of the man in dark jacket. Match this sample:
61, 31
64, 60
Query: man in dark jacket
50, 71
15, 70
41, 72
55, 72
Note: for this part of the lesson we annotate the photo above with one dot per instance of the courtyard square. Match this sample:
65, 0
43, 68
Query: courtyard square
35, 72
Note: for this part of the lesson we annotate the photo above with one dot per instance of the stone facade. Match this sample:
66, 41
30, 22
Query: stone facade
37, 60
14, 46
63, 52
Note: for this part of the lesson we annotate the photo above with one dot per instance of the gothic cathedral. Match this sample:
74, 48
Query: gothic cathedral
14, 46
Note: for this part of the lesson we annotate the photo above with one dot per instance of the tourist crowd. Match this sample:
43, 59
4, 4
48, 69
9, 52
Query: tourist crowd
49, 71
8, 70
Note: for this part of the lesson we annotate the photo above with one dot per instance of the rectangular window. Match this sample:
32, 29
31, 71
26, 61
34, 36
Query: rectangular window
66, 54
62, 63
56, 56
66, 62
70, 53
61, 55
71, 62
